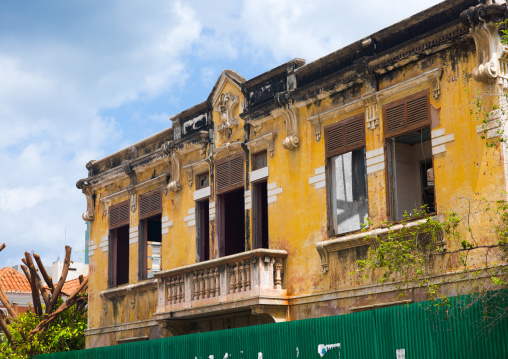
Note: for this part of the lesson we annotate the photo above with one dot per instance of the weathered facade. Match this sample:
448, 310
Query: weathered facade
248, 209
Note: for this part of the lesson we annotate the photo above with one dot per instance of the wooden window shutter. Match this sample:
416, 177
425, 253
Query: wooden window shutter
407, 114
345, 136
119, 215
150, 204
229, 173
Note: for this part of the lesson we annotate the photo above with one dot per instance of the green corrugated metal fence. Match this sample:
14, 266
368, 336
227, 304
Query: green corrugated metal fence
462, 329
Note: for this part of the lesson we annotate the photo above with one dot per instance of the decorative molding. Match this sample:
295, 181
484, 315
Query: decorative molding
211, 212
439, 139
88, 191
225, 107
371, 111
227, 149
157, 181
324, 248
375, 160
319, 178
264, 142
202, 193
319, 119
196, 168
432, 76
248, 199
188, 147
131, 189
283, 99
483, 23
191, 218
259, 174
273, 191
174, 159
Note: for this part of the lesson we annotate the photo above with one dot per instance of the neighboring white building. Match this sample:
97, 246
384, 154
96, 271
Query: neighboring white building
75, 270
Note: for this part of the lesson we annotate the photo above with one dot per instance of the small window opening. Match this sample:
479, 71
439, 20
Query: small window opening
150, 254
231, 209
349, 199
260, 214
202, 180
259, 160
411, 173
203, 230
120, 251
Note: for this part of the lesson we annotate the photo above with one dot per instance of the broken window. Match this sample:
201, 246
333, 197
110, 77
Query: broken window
150, 227
347, 175
409, 156
229, 174
202, 180
119, 244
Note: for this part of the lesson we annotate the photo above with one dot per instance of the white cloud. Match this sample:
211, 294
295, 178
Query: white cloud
58, 74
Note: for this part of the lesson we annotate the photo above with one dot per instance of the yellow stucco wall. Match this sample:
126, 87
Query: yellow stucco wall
464, 173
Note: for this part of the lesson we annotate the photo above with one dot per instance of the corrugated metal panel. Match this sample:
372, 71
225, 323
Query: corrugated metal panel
422, 330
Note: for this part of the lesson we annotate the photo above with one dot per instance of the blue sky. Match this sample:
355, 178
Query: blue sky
82, 79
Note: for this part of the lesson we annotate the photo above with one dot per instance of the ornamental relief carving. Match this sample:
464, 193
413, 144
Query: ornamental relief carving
291, 141
175, 161
84, 186
225, 106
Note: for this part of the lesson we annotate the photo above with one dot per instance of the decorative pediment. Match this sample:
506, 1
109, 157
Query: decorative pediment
225, 107
226, 150
265, 142
196, 168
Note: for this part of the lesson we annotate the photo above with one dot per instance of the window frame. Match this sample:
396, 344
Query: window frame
330, 154
143, 230
113, 239
388, 136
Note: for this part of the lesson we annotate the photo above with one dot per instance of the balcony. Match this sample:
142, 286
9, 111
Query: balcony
248, 281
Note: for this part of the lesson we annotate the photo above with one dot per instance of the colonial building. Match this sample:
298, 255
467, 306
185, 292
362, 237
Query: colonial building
249, 208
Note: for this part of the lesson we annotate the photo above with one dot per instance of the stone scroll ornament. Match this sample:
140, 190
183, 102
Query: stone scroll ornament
492, 56
131, 189
87, 190
174, 184
283, 99
225, 107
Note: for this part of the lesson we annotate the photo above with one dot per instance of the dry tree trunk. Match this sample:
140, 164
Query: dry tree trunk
50, 294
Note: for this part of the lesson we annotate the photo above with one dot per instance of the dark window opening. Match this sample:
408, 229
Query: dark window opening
203, 230
259, 160
202, 180
260, 214
150, 246
120, 256
410, 173
231, 222
349, 198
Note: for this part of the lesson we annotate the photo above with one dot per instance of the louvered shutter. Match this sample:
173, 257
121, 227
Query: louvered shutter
229, 173
119, 215
407, 114
150, 204
345, 136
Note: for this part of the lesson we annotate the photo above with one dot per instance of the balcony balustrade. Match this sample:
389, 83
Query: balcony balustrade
241, 280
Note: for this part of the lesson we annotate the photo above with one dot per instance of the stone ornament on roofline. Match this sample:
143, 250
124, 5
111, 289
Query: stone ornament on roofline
492, 56
225, 107
84, 186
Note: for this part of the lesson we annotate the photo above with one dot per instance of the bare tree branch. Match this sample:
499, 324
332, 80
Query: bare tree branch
2, 246
33, 284
42, 269
7, 305
61, 281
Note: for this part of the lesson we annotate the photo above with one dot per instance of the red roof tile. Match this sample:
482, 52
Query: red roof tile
70, 286
13, 282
